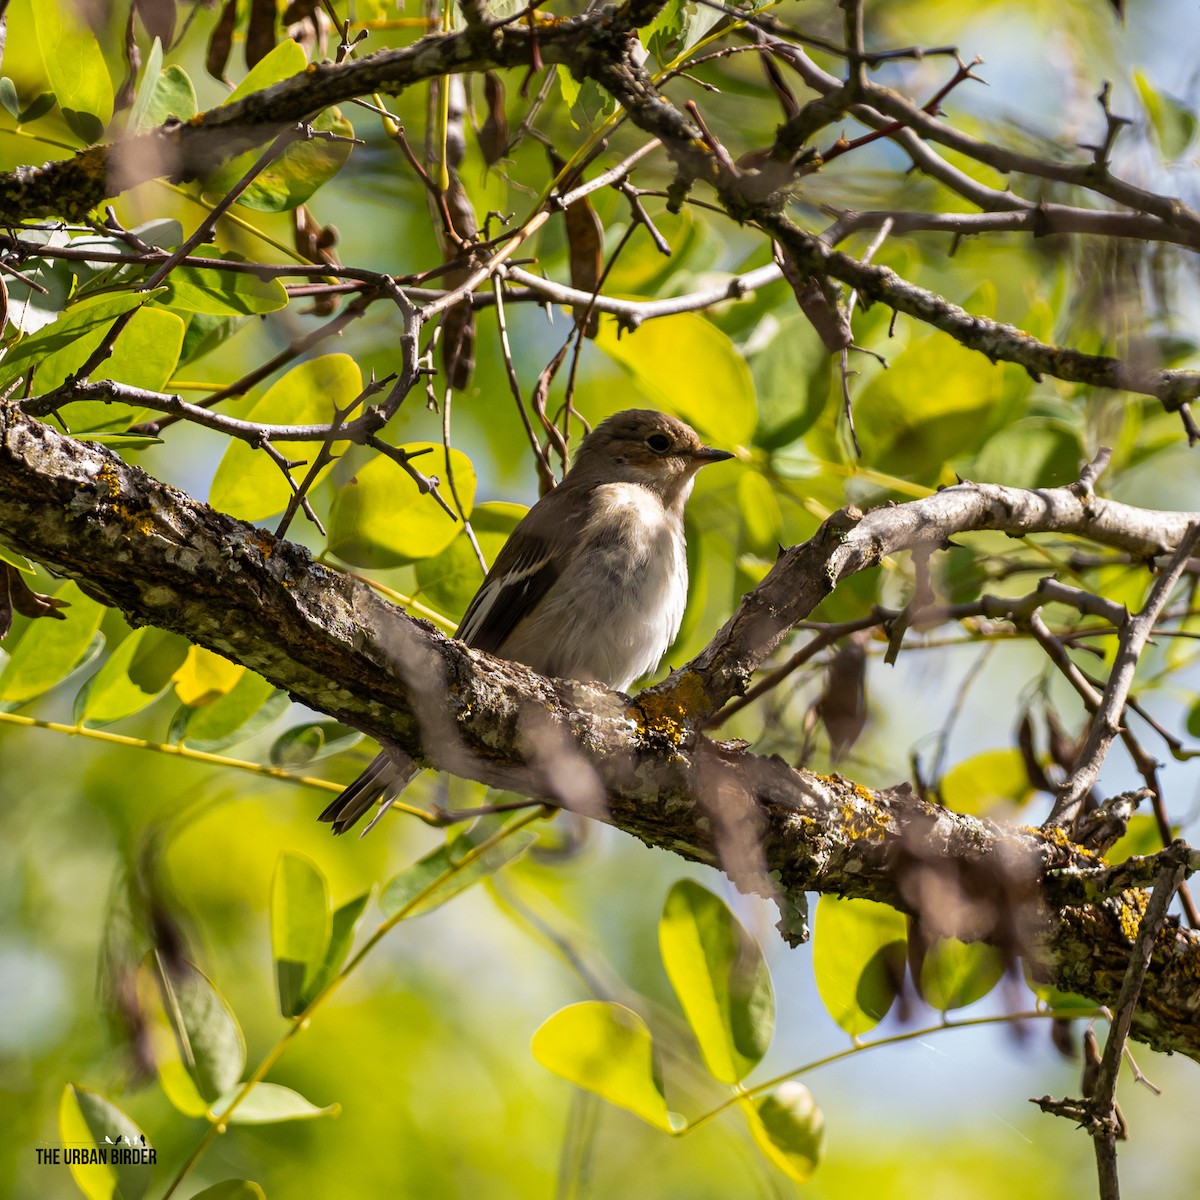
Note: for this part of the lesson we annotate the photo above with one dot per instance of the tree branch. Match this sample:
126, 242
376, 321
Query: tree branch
638, 764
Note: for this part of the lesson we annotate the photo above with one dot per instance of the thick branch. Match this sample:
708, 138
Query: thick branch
333, 644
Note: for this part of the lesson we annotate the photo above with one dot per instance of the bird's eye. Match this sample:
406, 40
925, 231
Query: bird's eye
659, 443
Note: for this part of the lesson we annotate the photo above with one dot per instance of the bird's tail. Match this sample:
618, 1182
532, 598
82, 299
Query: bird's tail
386, 777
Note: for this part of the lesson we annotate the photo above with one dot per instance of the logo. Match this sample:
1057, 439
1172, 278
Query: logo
112, 1152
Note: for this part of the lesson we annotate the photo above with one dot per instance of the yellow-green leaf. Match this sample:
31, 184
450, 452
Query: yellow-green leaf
720, 977
381, 519
605, 1048
75, 67
205, 677
300, 925
686, 366
789, 1128
287, 59
858, 960
247, 483
112, 694
48, 651
985, 780
955, 974
269, 1103
89, 1121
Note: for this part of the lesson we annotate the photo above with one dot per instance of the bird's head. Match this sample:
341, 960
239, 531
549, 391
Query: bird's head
642, 446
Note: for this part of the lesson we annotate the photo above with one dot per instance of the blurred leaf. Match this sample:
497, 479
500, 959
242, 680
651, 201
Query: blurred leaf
341, 938
858, 960
301, 744
59, 349
247, 483
300, 925
250, 706
1029, 454
19, 561
985, 780
260, 30
232, 1189
936, 402
9, 98
28, 309
150, 78
605, 1048
449, 580
1173, 121
287, 59
762, 522
208, 1036
792, 374
87, 1119
205, 676
268, 1104
413, 880
294, 175
48, 651
158, 18
381, 519
221, 41
1141, 836
789, 1129
222, 293
686, 366
112, 694
955, 974
75, 66
720, 978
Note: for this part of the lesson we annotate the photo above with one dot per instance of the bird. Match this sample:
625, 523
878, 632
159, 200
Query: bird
592, 583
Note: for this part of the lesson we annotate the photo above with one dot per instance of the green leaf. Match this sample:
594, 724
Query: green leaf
14, 559
208, 1037
300, 928
936, 402
48, 651
762, 522
1031, 453
1173, 121
112, 693
250, 706
686, 366
162, 94
294, 175
955, 974
286, 60
141, 98
205, 676
75, 67
268, 1104
247, 483
29, 309
985, 781
144, 355
232, 1189
59, 349
302, 744
791, 376
341, 937
789, 1129
222, 293
413, 880
606, 1049
85, 1120
858, 960
1141, 836
9, 98
720, 978
205, 332
381, 519
449, 580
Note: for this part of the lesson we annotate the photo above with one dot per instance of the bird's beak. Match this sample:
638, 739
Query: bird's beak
706, 454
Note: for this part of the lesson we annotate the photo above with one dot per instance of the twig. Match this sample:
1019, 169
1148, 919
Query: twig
1106, 723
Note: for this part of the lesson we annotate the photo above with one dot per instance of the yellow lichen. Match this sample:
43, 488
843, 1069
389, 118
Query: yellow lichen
668, 714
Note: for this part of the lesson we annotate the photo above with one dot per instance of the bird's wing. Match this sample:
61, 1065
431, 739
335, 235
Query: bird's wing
525, 569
